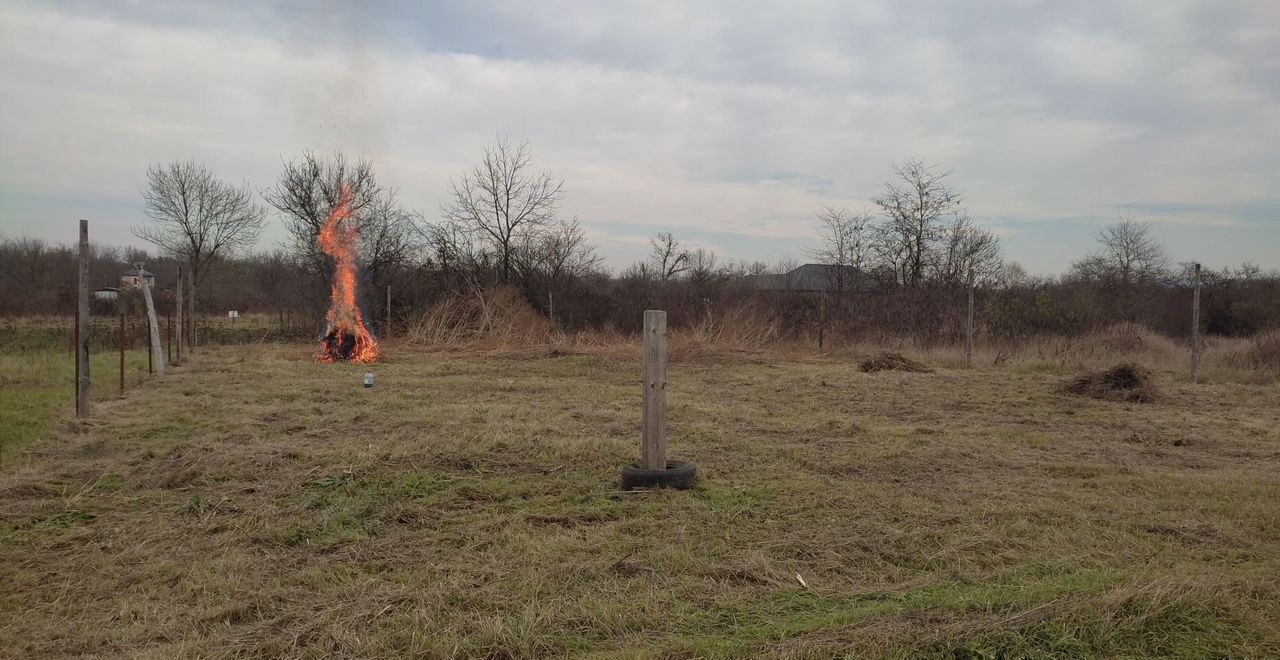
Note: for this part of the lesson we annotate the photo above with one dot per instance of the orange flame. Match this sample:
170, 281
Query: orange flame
346, 338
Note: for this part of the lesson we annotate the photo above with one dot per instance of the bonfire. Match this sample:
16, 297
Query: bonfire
346, 338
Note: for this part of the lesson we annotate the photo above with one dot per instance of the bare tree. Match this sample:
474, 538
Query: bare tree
308, 191
1129, 258
456, 253
502, 197
702, 266
1132, 254
558, 253
666, 258
28, 266
846, 244
553, 259
970, 254
197, 217
388, 237
916, 206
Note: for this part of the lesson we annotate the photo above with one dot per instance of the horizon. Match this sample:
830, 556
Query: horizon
730, 129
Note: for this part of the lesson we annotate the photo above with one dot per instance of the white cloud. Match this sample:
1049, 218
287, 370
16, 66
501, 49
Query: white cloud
737, 120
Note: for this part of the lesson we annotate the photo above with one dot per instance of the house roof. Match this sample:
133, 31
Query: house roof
812, 277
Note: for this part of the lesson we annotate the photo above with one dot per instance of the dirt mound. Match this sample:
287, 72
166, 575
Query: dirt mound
890, 361
1123, 382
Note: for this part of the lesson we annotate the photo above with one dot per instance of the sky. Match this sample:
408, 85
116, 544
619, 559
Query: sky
729, 123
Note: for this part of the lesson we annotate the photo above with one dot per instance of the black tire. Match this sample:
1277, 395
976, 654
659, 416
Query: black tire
679, 474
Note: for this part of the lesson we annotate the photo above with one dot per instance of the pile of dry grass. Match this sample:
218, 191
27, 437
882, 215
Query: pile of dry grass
890, 361
496, 317
1123, 382
734, 329
1260, 356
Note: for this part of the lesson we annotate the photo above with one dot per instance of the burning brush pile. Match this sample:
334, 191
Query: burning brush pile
346, 338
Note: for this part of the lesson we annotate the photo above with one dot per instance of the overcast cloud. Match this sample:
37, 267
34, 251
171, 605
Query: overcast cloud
729, 123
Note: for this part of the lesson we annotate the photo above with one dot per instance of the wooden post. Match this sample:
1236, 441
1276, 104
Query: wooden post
151, 364
154, 347
75, 353
1195, 328
82, 326
122, 354
387, 329
654, 438
168, 337
968, 334
178, 312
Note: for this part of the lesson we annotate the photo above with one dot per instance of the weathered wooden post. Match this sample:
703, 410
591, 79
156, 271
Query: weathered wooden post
122, 353
387, 330
178, 312
151, 363
154, 348
968, 334
655, 390
654, 469
82, 326
1195, 328
168, 337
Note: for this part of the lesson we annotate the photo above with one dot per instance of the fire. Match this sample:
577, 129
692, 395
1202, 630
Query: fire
346, 338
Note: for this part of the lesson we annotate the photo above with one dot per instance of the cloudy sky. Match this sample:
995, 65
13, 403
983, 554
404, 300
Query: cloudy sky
728, 123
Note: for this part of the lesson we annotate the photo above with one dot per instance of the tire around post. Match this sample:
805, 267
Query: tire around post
680, 475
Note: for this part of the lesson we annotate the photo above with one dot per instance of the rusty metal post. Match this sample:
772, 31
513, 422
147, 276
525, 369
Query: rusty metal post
181, 313
121, 353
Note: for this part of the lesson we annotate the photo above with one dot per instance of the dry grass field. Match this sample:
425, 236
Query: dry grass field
254, 503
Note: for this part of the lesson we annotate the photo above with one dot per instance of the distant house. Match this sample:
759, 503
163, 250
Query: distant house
811, 278
129, 279
106, 294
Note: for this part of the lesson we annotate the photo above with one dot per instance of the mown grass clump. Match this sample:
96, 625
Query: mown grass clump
1123, 382
891, 361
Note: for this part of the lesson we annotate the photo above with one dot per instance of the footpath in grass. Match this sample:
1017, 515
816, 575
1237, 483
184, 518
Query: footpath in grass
258, 504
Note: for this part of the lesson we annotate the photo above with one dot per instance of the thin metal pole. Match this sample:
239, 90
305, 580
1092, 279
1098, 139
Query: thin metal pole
82, 326
122, 353
181, 313
75, 351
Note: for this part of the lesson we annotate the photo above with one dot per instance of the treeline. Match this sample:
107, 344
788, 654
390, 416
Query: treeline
38, 278
902, 267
